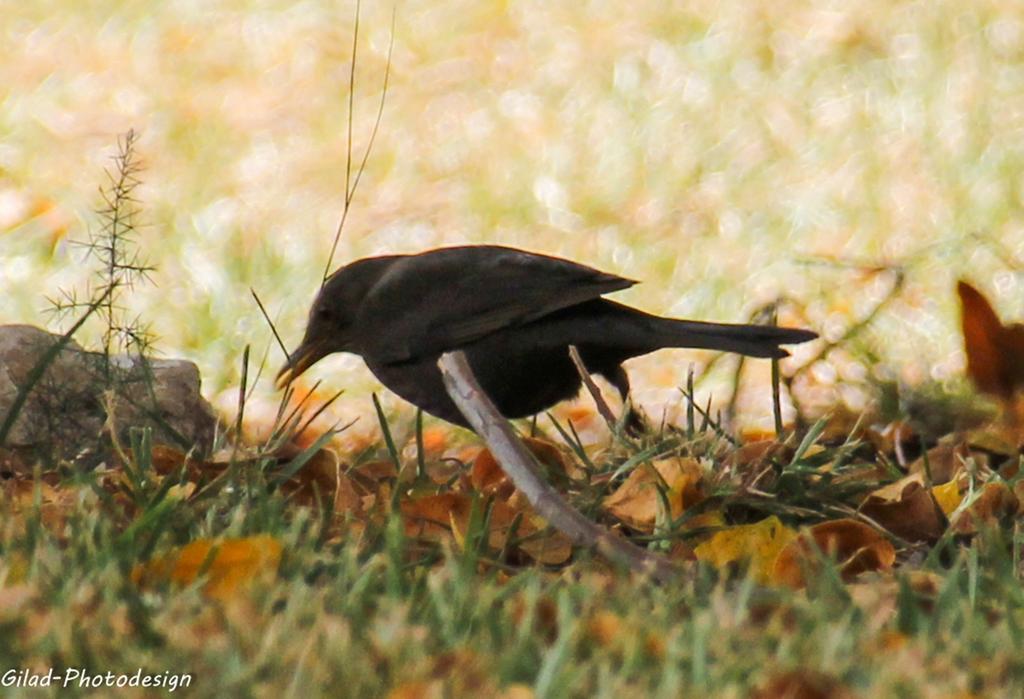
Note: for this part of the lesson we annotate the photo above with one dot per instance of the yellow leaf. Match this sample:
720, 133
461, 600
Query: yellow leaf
227, 565
14, 568
604, 627
948, 496
758, 543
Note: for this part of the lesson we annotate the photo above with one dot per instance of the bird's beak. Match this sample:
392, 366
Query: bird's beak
306, 355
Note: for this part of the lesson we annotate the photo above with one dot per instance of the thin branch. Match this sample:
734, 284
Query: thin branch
521, 469
592, 388
273, 329
351, 103
350, 189
380, 108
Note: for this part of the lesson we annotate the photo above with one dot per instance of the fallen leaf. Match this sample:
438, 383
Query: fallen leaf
488, 477
802, 684
378, 470
604, 627
995, 503
994, 438
228, 565
886, 438
436, 517
758, 544
322, 480
758, 448
637, 502
948, 496
906, 509
551, 548
856, 548
654, 646
429, 517
435, 439
541, 617
20, 496
995, 352
943, 461
418, 690
462, 672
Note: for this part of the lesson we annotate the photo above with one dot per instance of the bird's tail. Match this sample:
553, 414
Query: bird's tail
749, 340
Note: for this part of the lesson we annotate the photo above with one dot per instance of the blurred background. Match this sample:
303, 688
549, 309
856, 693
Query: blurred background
728, 154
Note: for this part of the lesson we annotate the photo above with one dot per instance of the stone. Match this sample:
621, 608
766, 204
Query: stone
82, 395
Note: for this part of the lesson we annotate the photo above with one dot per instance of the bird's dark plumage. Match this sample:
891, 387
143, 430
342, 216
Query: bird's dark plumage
514, 313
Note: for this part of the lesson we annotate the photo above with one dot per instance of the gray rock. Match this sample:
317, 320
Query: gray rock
83, 395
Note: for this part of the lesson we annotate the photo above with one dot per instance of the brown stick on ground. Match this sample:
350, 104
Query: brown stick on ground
518, 464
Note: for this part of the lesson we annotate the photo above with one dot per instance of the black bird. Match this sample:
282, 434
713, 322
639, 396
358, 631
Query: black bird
514, 313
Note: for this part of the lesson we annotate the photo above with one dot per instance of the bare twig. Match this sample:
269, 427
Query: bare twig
273, 328
351, 184
592, 388
518, 464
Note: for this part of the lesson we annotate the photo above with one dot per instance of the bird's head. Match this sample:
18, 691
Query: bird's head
332, 319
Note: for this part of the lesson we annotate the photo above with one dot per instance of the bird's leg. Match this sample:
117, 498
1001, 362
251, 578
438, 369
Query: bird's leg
636, 423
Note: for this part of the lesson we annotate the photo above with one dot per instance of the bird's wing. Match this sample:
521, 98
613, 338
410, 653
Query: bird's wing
444, 299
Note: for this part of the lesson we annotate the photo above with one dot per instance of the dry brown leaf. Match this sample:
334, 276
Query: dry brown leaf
418, 690
532, 536
944, 460
379, 470
18, 497
906, 509
757, 448
322, 479
802, 684
886, 438
995, 443
488, 477
637, 501
228, 565
166, 459
856, 548
994, 504
995, 352
552, 548
759, 544
654, 646
543, 616
435, 517
430, 516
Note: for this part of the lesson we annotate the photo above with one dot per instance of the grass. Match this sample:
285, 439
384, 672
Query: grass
361, 611
707, 149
